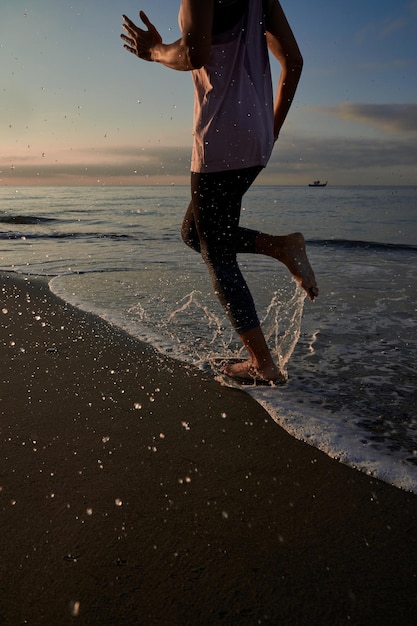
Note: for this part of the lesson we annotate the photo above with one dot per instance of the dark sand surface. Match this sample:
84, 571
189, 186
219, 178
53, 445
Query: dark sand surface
136, 491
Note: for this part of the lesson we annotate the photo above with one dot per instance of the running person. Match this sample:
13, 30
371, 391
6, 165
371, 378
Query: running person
224, 44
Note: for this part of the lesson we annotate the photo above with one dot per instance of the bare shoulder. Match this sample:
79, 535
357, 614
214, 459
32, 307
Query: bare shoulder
196, 14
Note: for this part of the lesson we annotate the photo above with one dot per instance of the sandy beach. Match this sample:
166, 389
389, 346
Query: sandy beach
135, 490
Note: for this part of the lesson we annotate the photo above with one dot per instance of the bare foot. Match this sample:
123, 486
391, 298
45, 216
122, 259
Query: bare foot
245, 372
291, 250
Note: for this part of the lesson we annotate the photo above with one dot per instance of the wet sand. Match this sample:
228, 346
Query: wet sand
135, 490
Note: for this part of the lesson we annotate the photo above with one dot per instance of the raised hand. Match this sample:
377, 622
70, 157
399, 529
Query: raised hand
138, 41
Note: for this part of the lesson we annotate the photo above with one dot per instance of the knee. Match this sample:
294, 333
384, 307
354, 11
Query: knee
190, 237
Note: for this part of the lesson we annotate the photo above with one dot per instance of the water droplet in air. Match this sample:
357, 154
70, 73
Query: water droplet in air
75, 608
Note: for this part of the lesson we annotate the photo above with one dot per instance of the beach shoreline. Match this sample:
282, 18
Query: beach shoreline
135, 489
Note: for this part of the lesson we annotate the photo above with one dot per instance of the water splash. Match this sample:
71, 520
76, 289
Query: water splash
282, 325
139, 312
214, 323
202, 334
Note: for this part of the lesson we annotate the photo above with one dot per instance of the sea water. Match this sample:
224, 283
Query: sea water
350, 356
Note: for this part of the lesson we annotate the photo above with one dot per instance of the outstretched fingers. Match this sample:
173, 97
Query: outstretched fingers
138, 41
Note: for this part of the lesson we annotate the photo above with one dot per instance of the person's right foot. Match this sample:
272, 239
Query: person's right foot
291, 250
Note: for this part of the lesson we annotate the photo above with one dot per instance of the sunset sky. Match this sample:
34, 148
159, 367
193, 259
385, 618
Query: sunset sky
78, 109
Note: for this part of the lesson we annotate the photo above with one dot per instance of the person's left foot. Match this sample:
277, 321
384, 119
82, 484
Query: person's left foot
245, 373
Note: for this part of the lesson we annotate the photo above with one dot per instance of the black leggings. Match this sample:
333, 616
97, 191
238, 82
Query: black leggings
211, 227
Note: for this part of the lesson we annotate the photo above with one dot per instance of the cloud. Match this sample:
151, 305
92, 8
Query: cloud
151, 158
390, 118
382, 29
342, 160
385, 66
116, 161
347, 153
390, 25
121, 165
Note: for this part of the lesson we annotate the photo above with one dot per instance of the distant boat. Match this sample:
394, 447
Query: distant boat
317, 183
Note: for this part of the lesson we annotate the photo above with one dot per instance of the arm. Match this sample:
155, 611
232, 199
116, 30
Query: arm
283, 46
188, 53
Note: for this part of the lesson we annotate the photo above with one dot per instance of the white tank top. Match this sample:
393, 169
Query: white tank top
233, 99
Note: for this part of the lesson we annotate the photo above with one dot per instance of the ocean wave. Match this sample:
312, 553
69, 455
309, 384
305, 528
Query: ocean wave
354, 244
25, 219
68, 235
346, 244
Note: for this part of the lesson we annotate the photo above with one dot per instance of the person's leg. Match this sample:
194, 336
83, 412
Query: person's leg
288, 249
189, 232
216, 205
211, 225
260, 366
245, 237
216, 215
